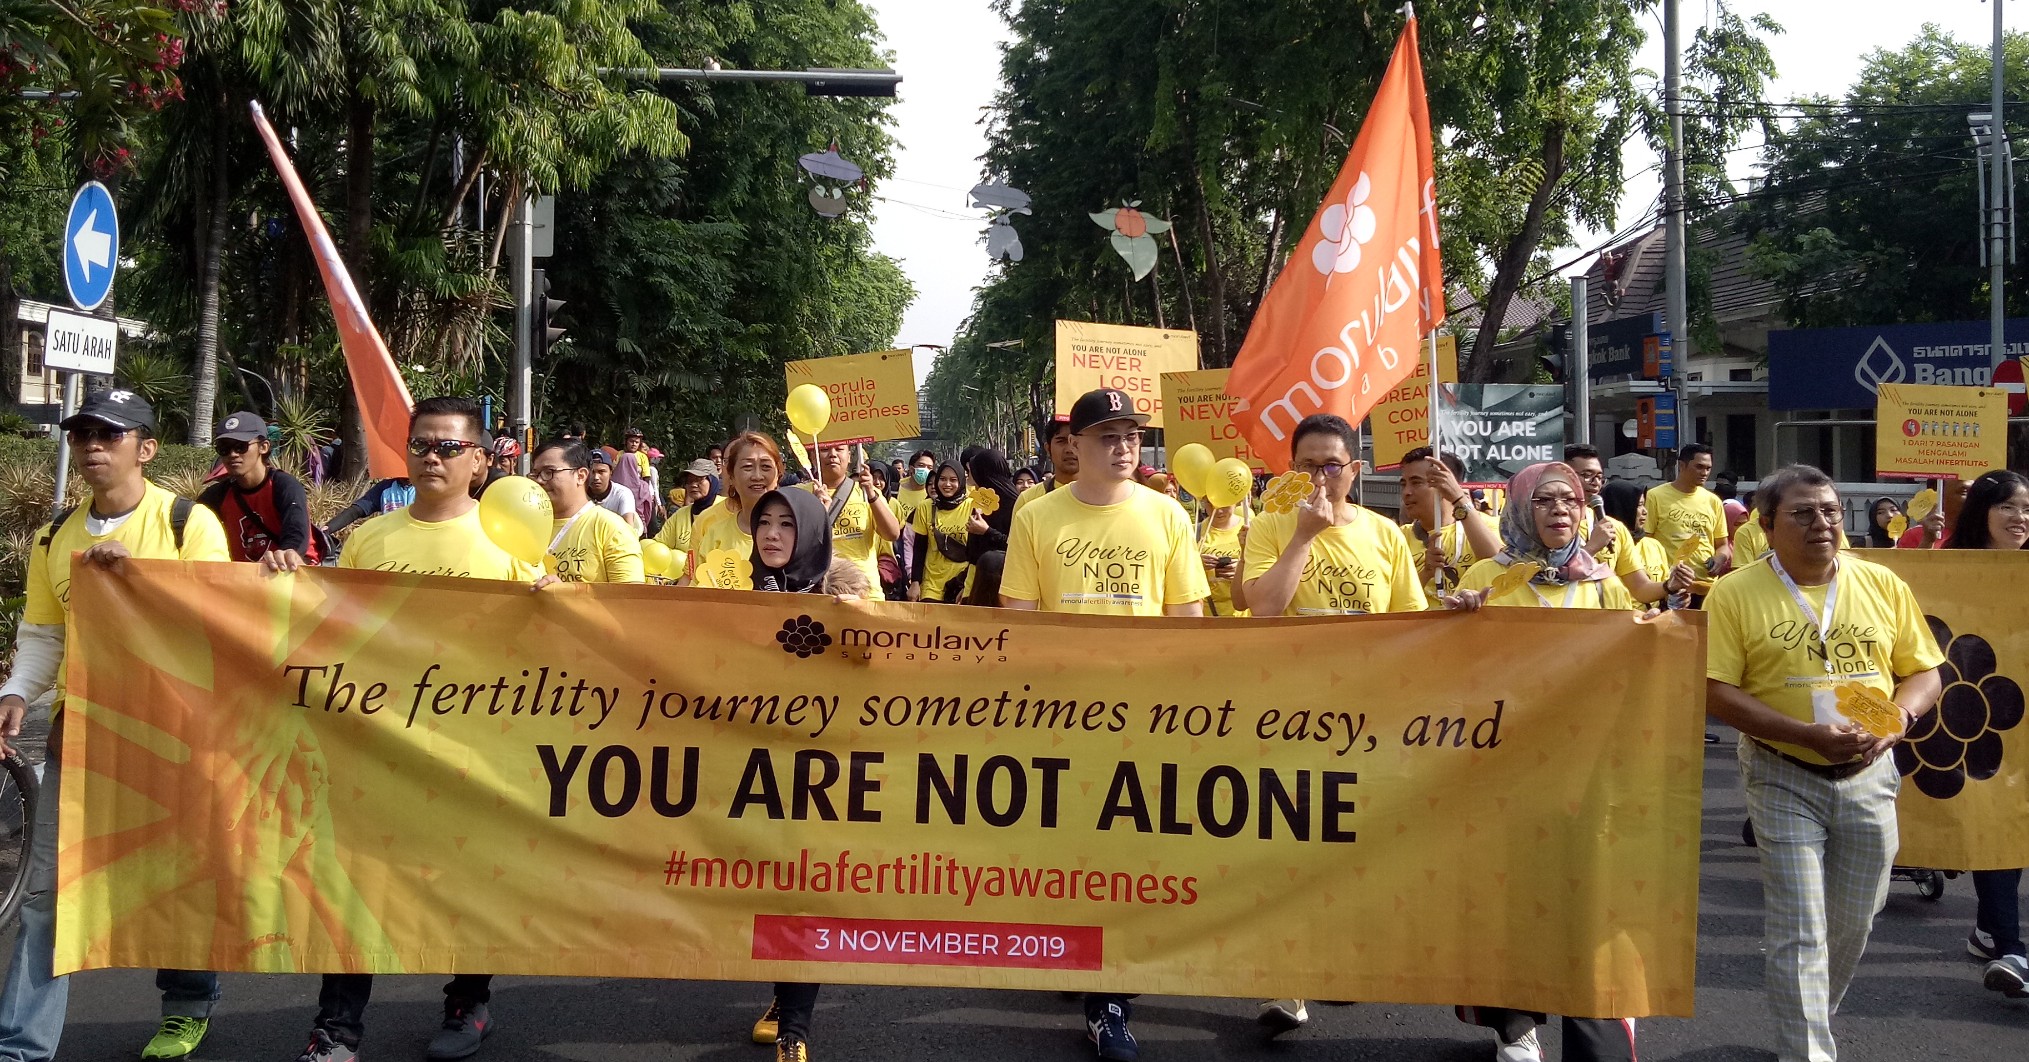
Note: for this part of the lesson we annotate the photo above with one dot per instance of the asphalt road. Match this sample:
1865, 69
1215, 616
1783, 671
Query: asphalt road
1917, 997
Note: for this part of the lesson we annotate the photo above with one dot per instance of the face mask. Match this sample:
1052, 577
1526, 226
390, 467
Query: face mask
922, 476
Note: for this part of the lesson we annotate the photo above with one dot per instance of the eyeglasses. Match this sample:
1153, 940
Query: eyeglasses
1328, 470
544, 475
105, 436
1550, 503
1594, 476
229, 447
1830, 514
2012, 512
445, 449
1118, 440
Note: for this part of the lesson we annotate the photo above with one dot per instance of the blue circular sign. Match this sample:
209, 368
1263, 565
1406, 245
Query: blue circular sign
91, 246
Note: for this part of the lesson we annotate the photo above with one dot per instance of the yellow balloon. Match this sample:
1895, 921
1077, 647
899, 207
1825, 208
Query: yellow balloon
516, 515
1192, 464
1231, 481
655, 557
809, 409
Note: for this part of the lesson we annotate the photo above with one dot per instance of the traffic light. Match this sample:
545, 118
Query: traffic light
542, 332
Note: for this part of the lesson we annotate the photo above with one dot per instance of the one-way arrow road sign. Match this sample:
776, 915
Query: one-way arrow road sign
91, 246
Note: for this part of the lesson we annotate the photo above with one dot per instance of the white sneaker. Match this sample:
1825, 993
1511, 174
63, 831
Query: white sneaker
2008, 975
1526, 1049
1283, 1015
1981, 946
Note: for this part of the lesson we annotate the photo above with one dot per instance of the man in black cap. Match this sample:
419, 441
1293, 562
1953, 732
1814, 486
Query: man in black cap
1105, 546
262, 507
112, 440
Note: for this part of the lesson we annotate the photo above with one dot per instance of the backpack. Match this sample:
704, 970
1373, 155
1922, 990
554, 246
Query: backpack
179, 517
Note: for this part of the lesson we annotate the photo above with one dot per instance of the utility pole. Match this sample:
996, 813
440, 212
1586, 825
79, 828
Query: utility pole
1578, 365
523, 276
1676, 302
1997, 205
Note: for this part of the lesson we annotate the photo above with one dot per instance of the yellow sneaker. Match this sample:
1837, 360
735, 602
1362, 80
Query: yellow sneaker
177, 1038
768, 1026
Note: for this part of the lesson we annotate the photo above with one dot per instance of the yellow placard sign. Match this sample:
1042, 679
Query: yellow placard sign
1965, 764
1933, 431
1091, 356
371, 771
1197, 409
873, 396
1400, 422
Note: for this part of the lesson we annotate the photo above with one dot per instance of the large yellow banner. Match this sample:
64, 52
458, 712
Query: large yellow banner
1131, 359
368, 771
1932, 431
1200, 411
873, 396
1965, 769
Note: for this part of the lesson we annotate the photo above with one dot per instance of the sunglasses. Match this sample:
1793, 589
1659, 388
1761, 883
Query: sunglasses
229, 447
105, 436
445, 449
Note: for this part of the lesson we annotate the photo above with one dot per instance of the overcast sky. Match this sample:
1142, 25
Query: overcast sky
948, 54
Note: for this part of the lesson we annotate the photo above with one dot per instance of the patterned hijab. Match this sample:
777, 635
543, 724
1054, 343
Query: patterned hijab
1519, 541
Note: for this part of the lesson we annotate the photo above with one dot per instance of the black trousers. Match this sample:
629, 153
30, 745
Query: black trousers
342, 999
794, 1004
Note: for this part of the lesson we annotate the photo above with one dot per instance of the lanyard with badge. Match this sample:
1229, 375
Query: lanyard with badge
565, 530
1822, 623
1570, 595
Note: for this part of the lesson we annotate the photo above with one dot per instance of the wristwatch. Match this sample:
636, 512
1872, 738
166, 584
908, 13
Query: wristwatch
1459, 508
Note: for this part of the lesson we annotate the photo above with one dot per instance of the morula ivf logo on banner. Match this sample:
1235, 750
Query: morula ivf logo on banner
1962, 737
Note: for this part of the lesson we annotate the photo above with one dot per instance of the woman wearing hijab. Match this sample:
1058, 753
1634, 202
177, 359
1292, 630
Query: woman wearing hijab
699, 491
1995, 515
1539, 525
1629, 504
938, 569
791, 554
726, 531
986, 536
1878, 516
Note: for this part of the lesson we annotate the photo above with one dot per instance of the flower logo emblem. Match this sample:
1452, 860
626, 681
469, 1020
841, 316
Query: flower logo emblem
984, 501
1285, 492
803, 636
1962, 738
1345, 227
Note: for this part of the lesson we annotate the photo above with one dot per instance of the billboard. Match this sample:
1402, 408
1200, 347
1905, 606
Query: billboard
1844, 368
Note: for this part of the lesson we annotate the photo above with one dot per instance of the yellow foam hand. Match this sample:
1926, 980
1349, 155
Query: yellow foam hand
1875, 713
727, 570
1921, 505
1286, 491
984, 501
1898, 526
1516, 577
1690, 548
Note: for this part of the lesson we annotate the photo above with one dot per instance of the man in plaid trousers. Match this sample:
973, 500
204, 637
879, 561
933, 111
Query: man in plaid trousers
1822, 661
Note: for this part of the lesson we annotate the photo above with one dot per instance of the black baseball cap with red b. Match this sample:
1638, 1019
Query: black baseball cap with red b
1098, 407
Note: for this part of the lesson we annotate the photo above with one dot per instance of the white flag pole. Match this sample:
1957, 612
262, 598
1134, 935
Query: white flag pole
1436, 501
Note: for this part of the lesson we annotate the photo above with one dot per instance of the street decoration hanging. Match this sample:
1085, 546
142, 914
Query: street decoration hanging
831, 176
1134, 235
1001, 203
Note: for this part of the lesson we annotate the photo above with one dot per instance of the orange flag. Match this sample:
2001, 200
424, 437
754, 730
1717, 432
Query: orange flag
384, 401
1342, 324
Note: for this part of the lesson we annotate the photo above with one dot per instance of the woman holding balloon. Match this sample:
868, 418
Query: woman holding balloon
722, 539
1330, 556
1222, 536
587, 543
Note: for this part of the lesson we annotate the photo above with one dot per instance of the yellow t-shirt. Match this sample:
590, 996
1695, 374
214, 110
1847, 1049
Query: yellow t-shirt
1214, 542
1452, 540
1675, 516
1648, 557
1033, 491
1362, 567
907, 499
146, 533
938, 569
1759, 640
676, 530
1618, 556
1750, 542
597, 546
855, 538
1597, 593
1128, 559
398, 542
718, 532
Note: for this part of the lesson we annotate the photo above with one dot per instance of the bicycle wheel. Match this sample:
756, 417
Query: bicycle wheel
19, 791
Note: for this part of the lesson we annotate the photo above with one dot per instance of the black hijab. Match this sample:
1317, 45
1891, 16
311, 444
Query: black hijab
811, 557
937, 496
990, 469
1623, 500
1877, 536
698, 507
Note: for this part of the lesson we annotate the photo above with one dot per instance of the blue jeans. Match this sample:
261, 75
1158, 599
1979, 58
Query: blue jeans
2000, 910
33, 1003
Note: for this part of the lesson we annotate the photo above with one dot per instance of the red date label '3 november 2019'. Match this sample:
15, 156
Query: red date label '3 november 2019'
912, 942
